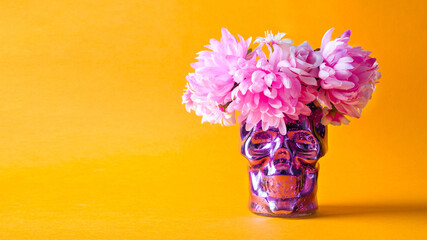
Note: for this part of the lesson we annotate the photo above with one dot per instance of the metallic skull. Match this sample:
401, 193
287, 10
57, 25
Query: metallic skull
283, 169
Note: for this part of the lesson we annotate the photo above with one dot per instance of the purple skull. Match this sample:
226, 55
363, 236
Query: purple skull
283, 169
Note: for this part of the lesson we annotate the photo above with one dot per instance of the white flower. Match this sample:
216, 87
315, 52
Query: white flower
270, 39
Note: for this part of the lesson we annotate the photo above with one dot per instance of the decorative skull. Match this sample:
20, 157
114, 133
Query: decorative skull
283, 169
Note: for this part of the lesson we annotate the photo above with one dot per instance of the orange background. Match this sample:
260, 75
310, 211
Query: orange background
95, 144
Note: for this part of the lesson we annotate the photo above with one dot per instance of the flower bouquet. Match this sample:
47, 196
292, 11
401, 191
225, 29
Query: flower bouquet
285, 102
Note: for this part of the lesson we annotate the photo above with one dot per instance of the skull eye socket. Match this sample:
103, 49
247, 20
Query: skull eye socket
304, 144
260, 150
259, 146
263, 137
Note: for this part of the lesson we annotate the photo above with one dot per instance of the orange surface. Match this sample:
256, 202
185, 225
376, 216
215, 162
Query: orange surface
95, 144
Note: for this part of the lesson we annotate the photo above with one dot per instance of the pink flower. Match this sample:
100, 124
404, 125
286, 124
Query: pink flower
271, 39
347, 77
196, 98
270, 91
303, 62
209, 88
186, 98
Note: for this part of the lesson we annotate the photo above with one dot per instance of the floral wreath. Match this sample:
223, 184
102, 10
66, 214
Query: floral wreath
232, 77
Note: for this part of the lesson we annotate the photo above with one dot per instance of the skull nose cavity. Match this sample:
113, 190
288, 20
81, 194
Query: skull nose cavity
282, 154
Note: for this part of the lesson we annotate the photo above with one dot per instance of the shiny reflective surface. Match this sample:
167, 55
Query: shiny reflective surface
283, 169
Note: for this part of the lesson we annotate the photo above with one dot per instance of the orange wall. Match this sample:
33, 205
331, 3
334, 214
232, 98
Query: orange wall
91, 114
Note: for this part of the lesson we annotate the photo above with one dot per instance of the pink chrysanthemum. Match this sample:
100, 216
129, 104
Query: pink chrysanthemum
275, 89
347, 78
198, 101
209, 88
230, 78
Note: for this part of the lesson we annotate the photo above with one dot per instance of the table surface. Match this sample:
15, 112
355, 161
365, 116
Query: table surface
84, 201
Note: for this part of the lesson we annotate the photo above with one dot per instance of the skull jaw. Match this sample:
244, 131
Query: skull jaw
291, 207
285, 195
